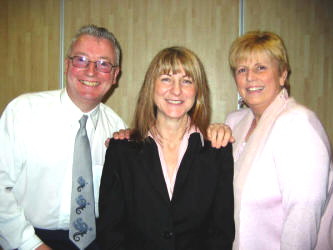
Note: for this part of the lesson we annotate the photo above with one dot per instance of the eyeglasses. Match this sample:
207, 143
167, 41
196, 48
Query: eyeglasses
100, 65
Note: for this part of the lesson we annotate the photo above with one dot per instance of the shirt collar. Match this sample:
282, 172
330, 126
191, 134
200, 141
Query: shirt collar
74, 112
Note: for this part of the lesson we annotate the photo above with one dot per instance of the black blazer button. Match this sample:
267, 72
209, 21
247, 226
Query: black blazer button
167, 235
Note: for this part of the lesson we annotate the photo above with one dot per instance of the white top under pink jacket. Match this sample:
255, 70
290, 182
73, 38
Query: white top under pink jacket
281, 178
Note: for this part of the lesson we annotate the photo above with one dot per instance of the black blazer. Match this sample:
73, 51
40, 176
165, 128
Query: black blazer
137, 214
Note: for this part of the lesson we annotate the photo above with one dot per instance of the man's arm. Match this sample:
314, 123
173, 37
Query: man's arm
15, 230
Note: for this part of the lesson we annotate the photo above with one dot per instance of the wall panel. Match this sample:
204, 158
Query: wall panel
307, 29
30, 30
29, 48
146, 26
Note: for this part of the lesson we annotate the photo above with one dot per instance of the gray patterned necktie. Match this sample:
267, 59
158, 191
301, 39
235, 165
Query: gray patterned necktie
82, 228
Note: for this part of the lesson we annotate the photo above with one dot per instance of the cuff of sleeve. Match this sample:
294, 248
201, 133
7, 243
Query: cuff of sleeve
32, 243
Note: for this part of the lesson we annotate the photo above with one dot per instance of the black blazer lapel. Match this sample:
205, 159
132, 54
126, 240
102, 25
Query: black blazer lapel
193, 148
152, 165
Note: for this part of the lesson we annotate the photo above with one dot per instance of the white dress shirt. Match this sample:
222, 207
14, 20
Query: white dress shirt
37, 134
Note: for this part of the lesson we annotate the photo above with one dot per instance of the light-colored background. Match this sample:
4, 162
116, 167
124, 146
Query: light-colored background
31, 43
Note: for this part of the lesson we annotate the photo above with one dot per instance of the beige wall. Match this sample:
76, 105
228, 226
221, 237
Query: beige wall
307, 29
145, 27
30, 48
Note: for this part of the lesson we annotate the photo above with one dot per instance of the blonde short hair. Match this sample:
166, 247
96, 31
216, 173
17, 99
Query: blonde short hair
259, 42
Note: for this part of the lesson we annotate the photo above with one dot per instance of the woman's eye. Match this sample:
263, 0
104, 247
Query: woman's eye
187, 81
165, 79
241, 70
261, 67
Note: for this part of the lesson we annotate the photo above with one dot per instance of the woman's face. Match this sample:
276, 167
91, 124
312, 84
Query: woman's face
174, 95
259, 81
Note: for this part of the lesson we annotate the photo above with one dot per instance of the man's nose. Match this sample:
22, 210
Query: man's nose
91, 68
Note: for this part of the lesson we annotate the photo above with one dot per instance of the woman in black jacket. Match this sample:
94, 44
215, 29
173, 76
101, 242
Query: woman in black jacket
166, 187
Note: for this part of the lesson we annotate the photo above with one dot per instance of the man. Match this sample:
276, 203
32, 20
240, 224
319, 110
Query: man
37, 134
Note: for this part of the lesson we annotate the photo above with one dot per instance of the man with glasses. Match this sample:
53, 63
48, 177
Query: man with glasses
37, 134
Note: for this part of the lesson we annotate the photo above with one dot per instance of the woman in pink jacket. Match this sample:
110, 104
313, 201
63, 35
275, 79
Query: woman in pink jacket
282, 154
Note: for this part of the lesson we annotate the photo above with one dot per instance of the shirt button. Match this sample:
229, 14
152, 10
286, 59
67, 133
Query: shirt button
167, 235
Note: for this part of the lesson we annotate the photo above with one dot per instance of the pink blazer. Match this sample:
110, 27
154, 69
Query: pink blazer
281, 178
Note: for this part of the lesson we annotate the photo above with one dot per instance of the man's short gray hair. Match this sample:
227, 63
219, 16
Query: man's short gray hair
99, 32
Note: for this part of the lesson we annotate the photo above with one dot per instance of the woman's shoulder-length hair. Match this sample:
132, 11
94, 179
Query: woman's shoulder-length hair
171, 60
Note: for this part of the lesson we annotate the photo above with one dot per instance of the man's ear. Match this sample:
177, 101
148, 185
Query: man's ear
116, 74
66, 65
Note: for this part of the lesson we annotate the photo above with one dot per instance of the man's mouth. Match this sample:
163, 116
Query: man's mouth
89, 83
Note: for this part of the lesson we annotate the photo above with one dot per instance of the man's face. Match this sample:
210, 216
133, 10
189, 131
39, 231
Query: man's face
87, 86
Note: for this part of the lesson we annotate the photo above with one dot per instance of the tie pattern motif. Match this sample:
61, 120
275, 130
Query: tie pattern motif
82, 228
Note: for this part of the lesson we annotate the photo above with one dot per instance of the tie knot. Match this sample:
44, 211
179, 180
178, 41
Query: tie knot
83, 121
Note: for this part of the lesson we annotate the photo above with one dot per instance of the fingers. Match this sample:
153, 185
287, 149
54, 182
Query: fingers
107, 142
214, 134
119, 135
127, 134
122, 134
227, 136
219, 134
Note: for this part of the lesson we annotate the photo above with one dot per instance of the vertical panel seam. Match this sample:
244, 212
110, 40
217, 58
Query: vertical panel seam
240, 32
61, 44
241, 17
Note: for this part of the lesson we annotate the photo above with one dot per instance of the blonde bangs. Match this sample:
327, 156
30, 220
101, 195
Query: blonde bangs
172, 63
256, 43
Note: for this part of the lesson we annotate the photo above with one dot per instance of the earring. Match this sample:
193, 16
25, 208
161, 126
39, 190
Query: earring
241, 102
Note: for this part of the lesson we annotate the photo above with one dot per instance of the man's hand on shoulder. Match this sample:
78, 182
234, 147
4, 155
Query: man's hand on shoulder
120, 135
